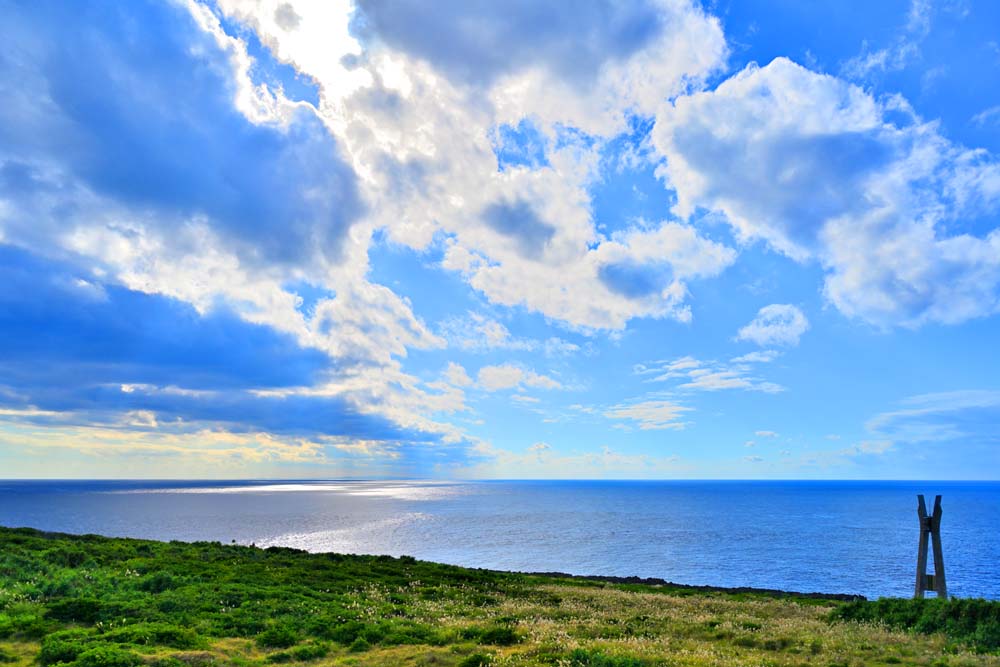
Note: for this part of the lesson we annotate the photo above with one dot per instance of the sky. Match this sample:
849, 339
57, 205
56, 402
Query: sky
469, 239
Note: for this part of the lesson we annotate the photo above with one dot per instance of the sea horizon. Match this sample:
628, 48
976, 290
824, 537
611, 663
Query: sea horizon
830, 536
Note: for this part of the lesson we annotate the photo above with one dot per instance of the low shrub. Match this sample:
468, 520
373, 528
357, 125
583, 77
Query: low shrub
974, 622
158, 582
156, 634
584, 658
75, 610
63, 646
107, 656
500, 635
278, 636
359, 645
311, 651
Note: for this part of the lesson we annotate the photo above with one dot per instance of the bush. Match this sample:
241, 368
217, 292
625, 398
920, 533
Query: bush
66, 556
278, 636
63, 646
25, 626
280, 658
107, 656
359, 645
157, 582
344, 633
975, 622
311, 651
475, 660
583, 658
155, 634
500, 635
75, 610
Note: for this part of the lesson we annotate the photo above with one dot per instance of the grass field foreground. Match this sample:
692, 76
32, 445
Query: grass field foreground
90, 601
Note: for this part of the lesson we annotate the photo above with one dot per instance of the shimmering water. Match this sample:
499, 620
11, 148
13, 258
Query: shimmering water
834, 537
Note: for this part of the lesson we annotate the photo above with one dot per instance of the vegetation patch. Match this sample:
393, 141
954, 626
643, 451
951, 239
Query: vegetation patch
974, 622
89, 601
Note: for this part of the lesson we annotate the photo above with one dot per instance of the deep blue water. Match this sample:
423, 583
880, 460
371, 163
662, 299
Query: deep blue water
833, 537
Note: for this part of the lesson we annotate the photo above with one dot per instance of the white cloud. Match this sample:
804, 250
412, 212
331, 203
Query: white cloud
479, 333
765, 434
545, 462
455, 374
709, 376
822, 171
508, 376
945, 416
204, 233
777, 324
905, 46
759, 357
417, 116
987, 116
539, 449
650, 415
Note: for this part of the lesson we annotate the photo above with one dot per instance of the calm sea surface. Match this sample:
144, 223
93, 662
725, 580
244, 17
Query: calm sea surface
833, 537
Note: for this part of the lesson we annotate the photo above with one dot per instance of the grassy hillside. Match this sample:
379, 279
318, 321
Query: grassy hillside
90, 601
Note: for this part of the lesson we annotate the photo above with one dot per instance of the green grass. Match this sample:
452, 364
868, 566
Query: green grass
87, 601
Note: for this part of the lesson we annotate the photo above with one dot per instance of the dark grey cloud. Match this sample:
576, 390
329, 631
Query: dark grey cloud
632, 280
791, 183
59, 325
68, 344
475, 41
136, 103
517, 220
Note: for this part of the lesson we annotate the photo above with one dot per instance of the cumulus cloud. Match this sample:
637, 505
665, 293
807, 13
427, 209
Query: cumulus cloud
777, 324
124, 145
457, 375
477, 42
417, 127
147, 117
820, 170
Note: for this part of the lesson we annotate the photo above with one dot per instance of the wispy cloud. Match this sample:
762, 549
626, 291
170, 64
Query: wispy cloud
905, 46
939, 417
711, 376
509, 376
990, 116
650, 415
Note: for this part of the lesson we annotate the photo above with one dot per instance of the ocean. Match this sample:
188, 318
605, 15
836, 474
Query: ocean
831, 537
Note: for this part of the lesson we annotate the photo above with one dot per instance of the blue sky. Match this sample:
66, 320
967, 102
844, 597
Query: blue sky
649, 239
